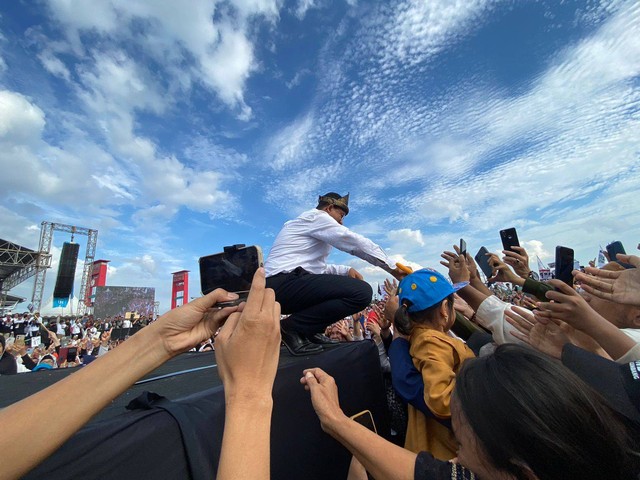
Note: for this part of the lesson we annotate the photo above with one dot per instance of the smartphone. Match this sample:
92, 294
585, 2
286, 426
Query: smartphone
509, 238
72, 353
564, 264
463, 248
613, 249
62, 355
365, 418
231, 270
482, 259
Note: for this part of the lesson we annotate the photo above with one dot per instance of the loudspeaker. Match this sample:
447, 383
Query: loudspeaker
66, 270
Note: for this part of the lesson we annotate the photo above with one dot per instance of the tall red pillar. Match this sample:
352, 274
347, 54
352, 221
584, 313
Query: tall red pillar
180, 288
98, 279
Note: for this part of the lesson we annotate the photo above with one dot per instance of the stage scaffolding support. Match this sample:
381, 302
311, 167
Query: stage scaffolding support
46, 238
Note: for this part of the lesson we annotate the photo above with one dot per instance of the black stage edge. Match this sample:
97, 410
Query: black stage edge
176, 430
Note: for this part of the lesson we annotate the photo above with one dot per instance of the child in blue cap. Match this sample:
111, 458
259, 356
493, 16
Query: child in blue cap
426, 313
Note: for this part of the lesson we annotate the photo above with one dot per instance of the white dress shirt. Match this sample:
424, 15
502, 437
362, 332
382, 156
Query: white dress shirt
306, 242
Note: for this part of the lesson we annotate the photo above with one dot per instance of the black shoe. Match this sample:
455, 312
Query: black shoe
297, 345
322, 339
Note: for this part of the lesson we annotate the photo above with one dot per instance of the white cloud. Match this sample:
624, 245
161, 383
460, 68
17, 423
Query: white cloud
54, 65
303, 6
20, 120
219, 55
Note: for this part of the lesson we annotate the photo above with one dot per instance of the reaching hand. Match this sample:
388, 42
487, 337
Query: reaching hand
548, 338
461, 306
383, 321
390, 308
391, 287
324, 396
398, 274
374, 328
500, 271
457, 265
353, 273
248, 345
519, 260
567, 306
473, 267
622, 286
182, 328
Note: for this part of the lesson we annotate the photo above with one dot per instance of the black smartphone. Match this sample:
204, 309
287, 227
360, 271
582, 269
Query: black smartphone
72, 353
509, 238
482, 259
463, 248
231, 270
365, 418
613, 249
564, 264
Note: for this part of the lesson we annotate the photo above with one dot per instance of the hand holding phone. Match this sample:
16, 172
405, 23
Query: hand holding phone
231, 270
463, 248
482, 259
509, 238
564, 264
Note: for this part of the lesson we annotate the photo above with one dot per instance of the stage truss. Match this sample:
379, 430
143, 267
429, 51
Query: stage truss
46, 238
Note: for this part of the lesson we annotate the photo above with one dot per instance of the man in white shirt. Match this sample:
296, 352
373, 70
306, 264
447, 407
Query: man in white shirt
313, 293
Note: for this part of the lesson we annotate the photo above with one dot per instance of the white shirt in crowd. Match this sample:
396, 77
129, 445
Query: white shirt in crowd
306, 242
60, 328
126, 323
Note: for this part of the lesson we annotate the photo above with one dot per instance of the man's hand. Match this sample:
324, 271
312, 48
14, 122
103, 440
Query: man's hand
353, 273
248, 345
519, 260
324, 396
621, 287
398, 274
457, 265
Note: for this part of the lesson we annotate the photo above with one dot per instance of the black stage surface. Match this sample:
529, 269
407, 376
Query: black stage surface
179, 436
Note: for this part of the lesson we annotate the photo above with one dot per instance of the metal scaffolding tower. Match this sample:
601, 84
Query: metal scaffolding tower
46, 237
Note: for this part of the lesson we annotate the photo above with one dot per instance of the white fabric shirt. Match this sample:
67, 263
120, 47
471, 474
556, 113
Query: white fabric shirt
306, 242
490, 315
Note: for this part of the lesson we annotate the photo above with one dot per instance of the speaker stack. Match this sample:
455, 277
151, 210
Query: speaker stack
66, 270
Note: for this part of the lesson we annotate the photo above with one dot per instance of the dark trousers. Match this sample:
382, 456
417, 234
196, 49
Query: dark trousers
316, 301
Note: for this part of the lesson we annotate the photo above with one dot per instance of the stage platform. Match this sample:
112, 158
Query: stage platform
176, 429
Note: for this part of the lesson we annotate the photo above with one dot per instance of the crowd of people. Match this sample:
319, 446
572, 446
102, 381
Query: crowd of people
31, 343
540, 383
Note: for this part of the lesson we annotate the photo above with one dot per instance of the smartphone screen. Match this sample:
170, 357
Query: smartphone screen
232, 270
564, 264
365, 418
463, 248
483, 262
509, 238
72, 353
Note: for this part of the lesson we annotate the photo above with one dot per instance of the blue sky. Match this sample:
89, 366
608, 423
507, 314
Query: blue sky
176, 130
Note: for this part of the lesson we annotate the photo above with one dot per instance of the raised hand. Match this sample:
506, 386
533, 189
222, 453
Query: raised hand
391, 288
622, 286
457, 265
501, 271
548, 338
248, 345
182, 328
519, 260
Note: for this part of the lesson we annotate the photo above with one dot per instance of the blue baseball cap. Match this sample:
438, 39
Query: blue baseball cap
426, 288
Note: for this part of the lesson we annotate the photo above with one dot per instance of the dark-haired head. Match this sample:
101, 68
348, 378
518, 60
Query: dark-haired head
533, 418
439, 316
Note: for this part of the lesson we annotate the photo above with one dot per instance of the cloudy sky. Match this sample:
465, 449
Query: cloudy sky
176, 128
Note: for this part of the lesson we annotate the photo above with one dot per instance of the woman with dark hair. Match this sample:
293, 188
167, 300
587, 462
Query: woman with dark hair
517, 414
426, 315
